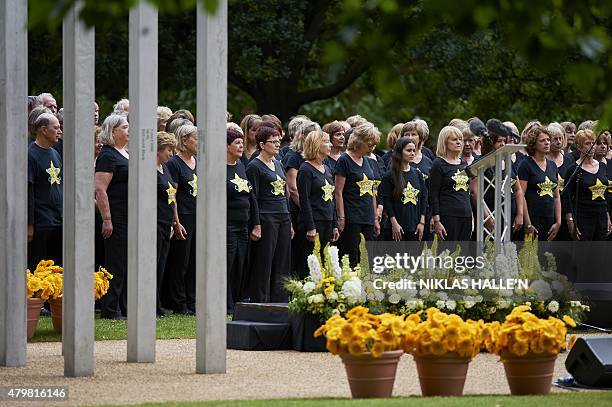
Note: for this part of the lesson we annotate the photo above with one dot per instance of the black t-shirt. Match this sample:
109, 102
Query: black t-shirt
44, 187
111, 160
592, 190
564, 173
187, 185
378, 167
541, 185
269, 188
408, 209
59, 147
316, 192
292, 160
386, 158
449, 191
331, 163
428, 153
424, 166
166, 197
239, 193
519, 157
358, 190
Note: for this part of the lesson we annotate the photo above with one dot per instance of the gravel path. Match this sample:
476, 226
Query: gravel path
250, 375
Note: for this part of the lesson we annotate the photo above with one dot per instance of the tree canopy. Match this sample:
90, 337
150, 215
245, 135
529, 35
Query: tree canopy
388, 60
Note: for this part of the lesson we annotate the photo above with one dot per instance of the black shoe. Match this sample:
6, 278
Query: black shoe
45, 312
114, 317
161, 313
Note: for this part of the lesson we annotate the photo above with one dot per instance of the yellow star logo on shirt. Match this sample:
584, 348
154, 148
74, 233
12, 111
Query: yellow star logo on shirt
598, 190
194, 185
278, 186
171, 191
560, 182
410, 194
375, 185
461, 181
53, 172
365, 186
328, 191
242, 185
546, 187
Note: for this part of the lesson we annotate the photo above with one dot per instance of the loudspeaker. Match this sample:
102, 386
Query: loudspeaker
590, 361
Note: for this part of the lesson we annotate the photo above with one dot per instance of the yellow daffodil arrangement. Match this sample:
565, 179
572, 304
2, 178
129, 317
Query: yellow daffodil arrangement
101, 282
362, 332
442, 333
46, 281
523, 333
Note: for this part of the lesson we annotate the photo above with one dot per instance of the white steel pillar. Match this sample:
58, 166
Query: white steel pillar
211, 212
78, 165
13, 181
142, 202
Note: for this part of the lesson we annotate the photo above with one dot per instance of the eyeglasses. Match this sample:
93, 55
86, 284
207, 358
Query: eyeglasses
275, 142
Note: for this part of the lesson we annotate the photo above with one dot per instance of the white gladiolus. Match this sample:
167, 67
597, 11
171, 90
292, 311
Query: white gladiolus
332, 252
315, 268
308, 287
553, 306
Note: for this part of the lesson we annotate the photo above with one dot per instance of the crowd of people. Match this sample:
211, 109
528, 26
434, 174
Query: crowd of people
289, 185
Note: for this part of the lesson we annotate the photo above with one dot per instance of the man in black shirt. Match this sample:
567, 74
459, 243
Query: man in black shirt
45, 193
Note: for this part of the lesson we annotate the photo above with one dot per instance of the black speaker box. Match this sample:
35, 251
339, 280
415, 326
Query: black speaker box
590, 361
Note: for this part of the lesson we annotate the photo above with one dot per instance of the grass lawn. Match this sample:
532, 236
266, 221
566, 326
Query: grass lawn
591, 398
171, 327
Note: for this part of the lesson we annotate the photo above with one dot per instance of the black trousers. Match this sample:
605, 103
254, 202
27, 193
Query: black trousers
114, 303
297, 248
324, 229
163, 248
237, 252
350, 239
178, 291
408, 236
99, 242
542, 224
457, 229
45, 245
271, 259
593, 224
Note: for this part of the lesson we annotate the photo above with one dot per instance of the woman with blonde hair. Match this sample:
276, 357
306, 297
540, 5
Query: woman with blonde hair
179, 281
316, 189
394, 134
538, 178
355, 200
111, 178
249, 125
449, 188
586, 208
166, 208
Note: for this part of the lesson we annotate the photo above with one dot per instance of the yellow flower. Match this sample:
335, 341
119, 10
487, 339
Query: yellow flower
332, 346
356, 346
357, 312
377, 349
437, 348
568, 320
520, 348
328, 290
347, 331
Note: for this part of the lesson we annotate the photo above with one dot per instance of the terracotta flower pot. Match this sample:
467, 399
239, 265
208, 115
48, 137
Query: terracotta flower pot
34, 306
442, 375
56, 313
529, 374
371, 377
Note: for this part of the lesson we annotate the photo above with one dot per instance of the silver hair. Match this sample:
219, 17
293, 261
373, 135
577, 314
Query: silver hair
111, 123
